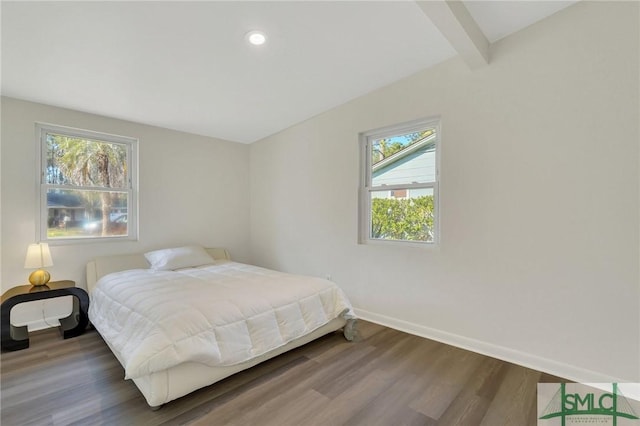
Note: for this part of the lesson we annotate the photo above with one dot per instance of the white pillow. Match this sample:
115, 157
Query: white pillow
179, 257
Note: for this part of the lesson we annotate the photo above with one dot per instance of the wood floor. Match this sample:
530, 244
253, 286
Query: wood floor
386, 378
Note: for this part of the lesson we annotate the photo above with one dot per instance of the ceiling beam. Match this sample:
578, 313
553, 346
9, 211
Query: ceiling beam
457, 25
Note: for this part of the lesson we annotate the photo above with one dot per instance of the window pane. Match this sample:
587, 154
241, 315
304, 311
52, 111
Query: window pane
81, 214
403, 215
404, 159
85, 162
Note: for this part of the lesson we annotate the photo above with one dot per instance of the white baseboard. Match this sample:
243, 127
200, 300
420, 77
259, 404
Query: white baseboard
546, 365
41, 324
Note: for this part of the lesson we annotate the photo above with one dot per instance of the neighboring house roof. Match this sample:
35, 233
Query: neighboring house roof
66, 200
63, 200
426, 142
415, 163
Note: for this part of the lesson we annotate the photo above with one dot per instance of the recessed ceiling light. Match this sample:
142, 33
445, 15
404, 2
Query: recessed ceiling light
256, 38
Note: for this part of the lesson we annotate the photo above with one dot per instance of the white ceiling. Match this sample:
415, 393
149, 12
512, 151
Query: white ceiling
186, 66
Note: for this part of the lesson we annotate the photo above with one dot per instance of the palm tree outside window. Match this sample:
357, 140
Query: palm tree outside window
88, 188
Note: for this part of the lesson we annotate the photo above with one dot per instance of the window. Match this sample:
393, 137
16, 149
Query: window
87, 185
399, 183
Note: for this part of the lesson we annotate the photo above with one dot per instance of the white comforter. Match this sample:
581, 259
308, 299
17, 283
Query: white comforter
217, 315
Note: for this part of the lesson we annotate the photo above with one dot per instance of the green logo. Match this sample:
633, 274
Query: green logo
588, 403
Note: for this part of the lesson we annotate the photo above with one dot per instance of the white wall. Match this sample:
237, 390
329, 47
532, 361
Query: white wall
538, 261
193, 189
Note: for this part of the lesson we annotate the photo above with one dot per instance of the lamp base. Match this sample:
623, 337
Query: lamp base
39, 277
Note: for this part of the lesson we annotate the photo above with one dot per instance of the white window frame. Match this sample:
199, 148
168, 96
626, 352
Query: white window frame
366, 189
42, 129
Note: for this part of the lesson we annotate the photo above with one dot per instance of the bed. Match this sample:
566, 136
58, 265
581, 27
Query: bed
190, 316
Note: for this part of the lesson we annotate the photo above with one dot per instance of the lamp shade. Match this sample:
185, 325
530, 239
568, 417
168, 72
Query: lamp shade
38, 256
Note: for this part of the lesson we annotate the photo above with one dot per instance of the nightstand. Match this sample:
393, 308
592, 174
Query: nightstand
14, 338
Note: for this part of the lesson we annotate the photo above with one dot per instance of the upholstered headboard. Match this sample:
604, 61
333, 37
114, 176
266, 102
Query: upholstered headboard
101, 266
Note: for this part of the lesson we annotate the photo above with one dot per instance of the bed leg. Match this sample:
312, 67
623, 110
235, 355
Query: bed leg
350, 330
156, 408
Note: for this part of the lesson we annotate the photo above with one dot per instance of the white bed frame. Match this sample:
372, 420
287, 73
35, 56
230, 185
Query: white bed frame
161, 387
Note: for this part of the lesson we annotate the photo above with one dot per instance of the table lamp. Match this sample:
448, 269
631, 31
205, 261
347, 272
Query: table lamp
38, 256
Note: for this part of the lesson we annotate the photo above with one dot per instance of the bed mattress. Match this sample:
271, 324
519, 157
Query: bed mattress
218, 315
